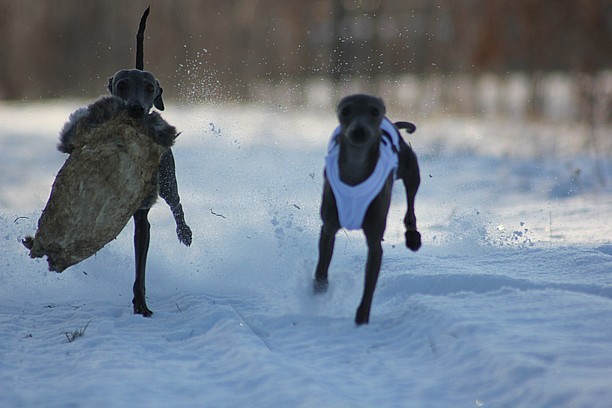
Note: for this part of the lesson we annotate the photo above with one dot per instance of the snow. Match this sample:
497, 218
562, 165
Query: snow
508, 302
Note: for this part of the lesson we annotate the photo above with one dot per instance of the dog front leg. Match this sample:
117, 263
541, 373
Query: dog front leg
375, 253
142, 236
412, 235
168, 190
411, 178
326, 250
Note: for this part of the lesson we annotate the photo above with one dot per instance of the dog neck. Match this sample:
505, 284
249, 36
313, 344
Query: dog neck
356, 163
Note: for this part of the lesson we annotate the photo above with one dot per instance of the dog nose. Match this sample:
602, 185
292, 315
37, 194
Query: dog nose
136, 110
358, 135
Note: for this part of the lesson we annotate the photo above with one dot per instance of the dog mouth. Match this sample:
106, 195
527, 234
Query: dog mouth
136, 111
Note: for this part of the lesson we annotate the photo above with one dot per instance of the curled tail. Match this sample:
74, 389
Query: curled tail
409, 127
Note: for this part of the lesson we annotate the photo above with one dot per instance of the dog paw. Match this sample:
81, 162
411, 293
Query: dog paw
413, 240
362, 316
28, 242
184, 234
140, 307
320, 286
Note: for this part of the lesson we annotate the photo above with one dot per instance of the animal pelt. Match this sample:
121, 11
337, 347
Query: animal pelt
112, 169
103, 110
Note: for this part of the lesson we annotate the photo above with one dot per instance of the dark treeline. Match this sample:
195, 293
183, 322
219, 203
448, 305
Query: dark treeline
64, 48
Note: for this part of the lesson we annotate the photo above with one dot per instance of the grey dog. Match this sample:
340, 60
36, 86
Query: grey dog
141, 91
366, 150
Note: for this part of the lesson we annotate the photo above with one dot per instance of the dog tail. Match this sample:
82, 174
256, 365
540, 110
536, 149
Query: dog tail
409, 127
140, 40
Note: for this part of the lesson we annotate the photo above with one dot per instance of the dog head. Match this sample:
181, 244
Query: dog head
139, 89
360, 117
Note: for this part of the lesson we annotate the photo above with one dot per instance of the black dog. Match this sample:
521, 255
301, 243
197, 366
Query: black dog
141, 91
365, 155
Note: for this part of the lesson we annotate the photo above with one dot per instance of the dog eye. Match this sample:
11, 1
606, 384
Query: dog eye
150, 88
121, 86
346, 111
375, 112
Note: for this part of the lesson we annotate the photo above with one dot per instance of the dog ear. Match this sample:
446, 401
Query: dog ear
158, 102
384, 108
110, 84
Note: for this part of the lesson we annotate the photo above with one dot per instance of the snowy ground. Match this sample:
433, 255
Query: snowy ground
508, 303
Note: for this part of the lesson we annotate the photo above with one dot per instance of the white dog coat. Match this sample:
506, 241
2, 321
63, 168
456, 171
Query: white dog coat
353, 201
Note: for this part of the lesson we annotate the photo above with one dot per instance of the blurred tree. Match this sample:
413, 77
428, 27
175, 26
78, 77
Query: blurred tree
66, 48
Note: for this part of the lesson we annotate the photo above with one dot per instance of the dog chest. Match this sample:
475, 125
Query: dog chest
352, 202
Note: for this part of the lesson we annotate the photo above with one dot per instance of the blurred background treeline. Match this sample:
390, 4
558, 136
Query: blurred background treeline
520, 58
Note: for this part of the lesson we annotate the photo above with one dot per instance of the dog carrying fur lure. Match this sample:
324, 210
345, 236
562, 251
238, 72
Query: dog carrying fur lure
111, 171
